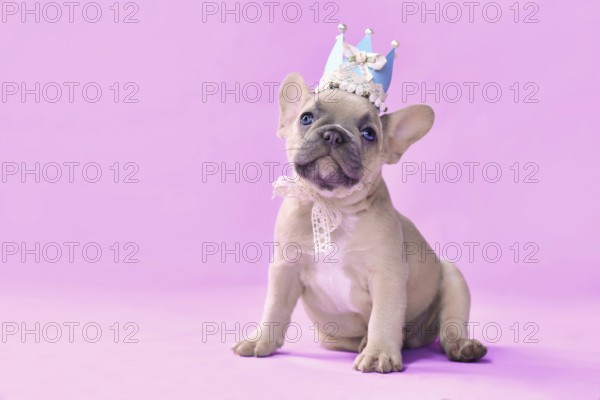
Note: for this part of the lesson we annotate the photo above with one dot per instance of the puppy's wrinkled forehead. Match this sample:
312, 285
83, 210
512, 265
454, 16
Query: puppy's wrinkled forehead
341, 107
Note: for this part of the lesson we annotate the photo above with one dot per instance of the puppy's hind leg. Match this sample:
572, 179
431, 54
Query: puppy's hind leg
455, 303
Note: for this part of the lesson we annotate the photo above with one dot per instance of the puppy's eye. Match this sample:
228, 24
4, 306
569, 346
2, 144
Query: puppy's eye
307, 119
368, 134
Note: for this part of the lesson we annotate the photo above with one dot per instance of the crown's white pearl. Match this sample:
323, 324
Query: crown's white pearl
342, 28
395, 44
369, 31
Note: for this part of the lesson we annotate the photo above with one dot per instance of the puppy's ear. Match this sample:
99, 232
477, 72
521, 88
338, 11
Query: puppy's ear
404, 127
293, 95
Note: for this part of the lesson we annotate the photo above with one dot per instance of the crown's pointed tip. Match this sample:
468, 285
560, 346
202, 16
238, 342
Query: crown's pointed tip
342, 28
395, 44
369, 31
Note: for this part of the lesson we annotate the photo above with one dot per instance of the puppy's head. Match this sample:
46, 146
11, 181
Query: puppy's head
337, 140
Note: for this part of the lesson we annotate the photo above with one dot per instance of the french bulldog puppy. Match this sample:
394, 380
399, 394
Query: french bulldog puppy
376, 297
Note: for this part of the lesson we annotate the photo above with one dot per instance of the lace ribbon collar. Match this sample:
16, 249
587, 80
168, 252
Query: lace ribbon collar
325, 217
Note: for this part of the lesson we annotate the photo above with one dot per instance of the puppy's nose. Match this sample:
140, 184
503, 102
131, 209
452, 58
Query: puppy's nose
334, 137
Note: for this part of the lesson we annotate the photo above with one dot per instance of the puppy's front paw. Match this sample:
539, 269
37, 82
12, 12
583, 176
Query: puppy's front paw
376, 360
256, 348
465, 350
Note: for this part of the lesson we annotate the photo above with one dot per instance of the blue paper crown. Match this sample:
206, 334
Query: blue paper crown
358, 70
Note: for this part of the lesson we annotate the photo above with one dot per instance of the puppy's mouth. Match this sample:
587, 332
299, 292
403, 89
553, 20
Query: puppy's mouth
326, 173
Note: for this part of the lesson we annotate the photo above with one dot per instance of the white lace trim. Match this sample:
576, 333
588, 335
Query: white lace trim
325, 218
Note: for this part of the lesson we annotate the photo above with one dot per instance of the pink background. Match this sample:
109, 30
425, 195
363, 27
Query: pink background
172, 134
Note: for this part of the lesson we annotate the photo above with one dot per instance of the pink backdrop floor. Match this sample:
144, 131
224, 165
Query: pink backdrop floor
173, 360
